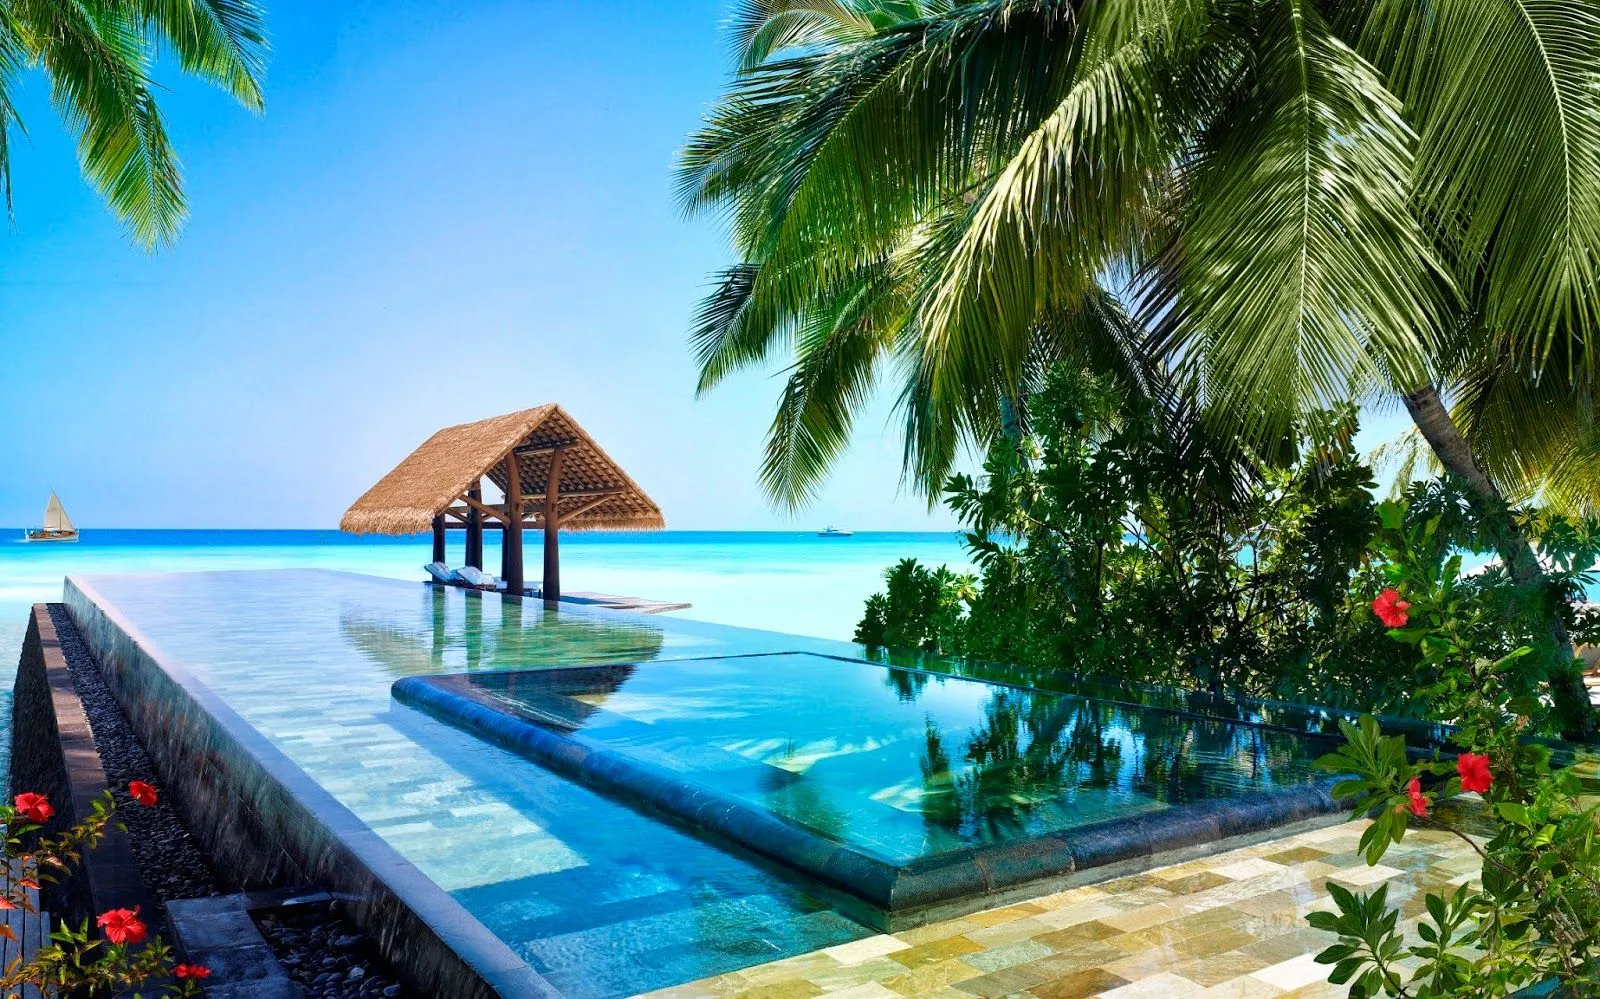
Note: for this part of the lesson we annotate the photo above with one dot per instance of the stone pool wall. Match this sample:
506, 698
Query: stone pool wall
266, 823
54, 754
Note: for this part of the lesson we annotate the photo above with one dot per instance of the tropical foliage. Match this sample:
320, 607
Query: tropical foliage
1304, 201
99, 58
921, 609
1122, 540
1531, 917
118, 955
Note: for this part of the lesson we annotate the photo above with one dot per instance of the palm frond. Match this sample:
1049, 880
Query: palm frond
838, 351
760, 28
221, 41
1505, 96
1067, 204
725, 336
1299, 261
97, 63
13, 57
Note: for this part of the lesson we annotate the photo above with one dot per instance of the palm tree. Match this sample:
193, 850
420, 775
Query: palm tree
98, 58
1302, 200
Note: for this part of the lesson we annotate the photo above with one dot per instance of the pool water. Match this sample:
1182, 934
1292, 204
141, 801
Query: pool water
896, 763
599, 898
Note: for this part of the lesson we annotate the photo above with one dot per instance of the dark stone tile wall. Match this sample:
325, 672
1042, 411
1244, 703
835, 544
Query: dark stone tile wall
53, 753
265, 823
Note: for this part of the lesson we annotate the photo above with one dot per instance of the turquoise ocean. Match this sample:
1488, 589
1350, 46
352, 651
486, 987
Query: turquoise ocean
791, 581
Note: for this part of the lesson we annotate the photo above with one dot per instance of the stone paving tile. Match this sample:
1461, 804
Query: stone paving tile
934, 951
1079, 933
1294, 973
858, 951
1079, 985
1009, 956
1008, 932
1243, 987
929, 977
1219, 969
1230, 926
877, 969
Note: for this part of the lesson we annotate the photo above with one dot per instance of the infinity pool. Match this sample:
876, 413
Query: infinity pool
604, 899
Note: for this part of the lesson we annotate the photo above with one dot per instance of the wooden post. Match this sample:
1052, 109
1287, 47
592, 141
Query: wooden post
472, 630
438, 622
511, 538
475, 529
438, 538
552, 531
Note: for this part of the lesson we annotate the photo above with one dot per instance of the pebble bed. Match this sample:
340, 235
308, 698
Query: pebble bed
171, 863
318, 948
325, 955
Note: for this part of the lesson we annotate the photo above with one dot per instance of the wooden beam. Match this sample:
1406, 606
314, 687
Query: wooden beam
571, 493
528, 524
511, 530
532, 449
438, 538
478, 505
582, 509
552, 529
461, 519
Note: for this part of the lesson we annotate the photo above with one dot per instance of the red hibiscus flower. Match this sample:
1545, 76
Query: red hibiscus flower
34, 807
141, 792
122, 926
1391, 610
1419, 801
192, 971
1474, 770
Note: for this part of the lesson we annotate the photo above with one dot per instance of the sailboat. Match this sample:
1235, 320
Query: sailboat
57, 525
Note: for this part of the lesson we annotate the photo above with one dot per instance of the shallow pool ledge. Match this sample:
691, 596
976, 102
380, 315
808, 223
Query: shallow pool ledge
906, 893
265, 822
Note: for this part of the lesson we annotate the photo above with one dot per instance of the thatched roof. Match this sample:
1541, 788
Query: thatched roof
597, 493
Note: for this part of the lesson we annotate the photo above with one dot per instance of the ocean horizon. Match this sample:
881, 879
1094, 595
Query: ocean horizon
789, 581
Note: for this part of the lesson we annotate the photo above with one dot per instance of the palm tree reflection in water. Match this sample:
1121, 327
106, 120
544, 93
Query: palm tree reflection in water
1035, 753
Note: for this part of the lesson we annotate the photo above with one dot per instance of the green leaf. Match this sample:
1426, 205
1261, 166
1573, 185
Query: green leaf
1346, 970
1526, 705
1513, 812
1325, 921
1335, 954
1436, 908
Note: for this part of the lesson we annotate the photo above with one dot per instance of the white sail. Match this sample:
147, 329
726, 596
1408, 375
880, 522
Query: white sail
55, 516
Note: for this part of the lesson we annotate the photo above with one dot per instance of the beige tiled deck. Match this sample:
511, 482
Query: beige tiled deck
1231, 926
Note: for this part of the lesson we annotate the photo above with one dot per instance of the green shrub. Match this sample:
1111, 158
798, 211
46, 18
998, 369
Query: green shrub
922, 610
1120, 539
1532, 917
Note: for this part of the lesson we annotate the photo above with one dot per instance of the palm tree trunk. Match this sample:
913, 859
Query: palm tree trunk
1455, 454
1011, 423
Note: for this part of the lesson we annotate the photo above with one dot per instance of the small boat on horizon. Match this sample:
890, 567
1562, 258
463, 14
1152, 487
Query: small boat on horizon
57, 525
834, 532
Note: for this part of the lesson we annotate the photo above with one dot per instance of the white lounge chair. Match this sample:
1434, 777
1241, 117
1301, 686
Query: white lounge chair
442, 573
477, 578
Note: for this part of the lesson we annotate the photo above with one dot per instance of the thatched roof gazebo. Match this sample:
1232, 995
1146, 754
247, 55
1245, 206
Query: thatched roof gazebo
563, 479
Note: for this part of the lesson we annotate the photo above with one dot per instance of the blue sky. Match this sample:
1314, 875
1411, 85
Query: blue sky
448, 211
